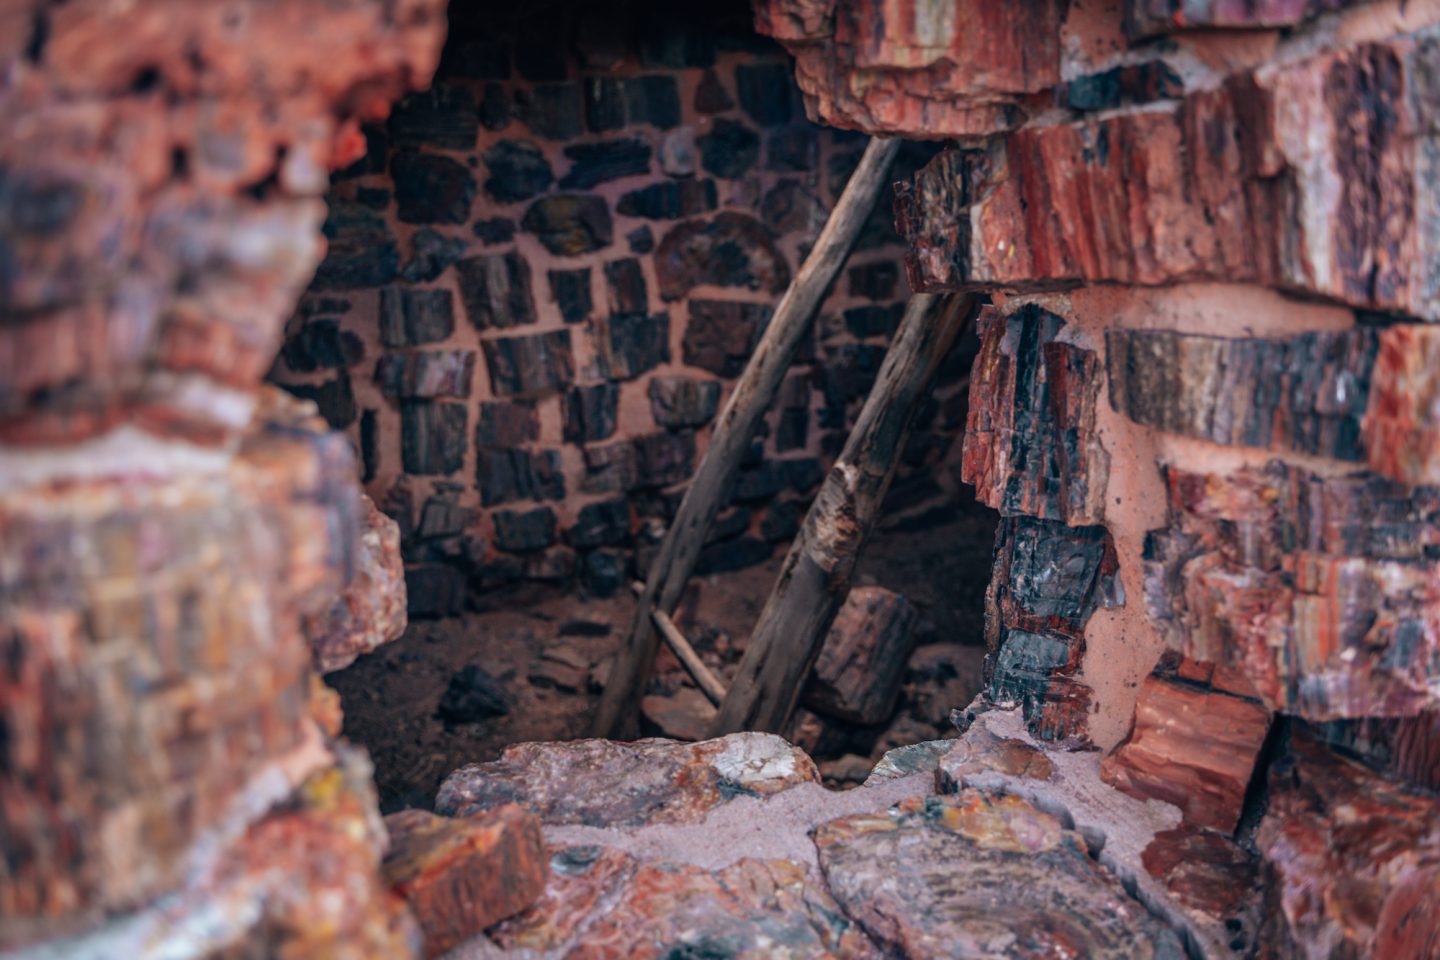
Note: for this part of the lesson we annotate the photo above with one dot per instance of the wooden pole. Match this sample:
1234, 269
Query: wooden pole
708, 683
815, 579
709, 488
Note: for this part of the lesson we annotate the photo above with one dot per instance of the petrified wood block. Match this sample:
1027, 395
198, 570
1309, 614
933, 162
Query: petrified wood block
1150, 17
970, 875
1351, 860
862, 662
372, 609
1046, 582
1305, 393
892, 68
1401, 429
156, 666
1319, 589
1308, 176
1403, 747
1192, 745
460, 876
1030, 441
604, 783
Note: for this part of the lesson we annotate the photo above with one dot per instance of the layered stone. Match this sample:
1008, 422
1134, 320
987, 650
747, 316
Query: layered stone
1318, 589
1306, 176
371, 610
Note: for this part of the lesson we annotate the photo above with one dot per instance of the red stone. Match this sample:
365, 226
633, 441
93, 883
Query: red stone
1210, 876
1192, 746
460, 876
1401, 429
371, 610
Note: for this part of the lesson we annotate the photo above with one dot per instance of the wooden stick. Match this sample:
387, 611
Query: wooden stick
673, 564
815, 579
708, 683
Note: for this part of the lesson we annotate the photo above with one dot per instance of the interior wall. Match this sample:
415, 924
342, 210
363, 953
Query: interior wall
549, 269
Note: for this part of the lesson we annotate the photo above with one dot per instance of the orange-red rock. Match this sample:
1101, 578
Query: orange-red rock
460, 876
1192, 746
1401, 429
1210, 876
372, 609
894, 67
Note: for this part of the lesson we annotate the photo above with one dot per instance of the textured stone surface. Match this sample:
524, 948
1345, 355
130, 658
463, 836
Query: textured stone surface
1148, 17
599, 782
426, 373
495, 290
1305, 393
460, 876
1209, 876
1047, 581
931, 71
1193, 746
629, 344
731, 250
410, 317
1351, 860
1030, 441
976, 875
371, 610
721, 334
1316, 588
680, 402
1303, 176
861, 664
590, 412
570, 224
537, 363
1400, 431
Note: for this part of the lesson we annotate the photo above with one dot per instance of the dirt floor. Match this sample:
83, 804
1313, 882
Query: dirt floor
549, 650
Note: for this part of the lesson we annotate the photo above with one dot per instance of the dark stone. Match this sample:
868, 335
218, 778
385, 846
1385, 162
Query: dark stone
474, 58
729, 150
1023, 668
507, 474
321, 345
641, 240
432, 437
443, 517
376, 198
609, 468
759, 483
590, 412
670, 200
554, 565
789, 207
495, 230
678, 402
431, 189
606, 523
495, 110
664, 504
603, 573
571, 224
653, 99
711, 96
518, 171
1122, 86
362, 251
595, 163
410, 316
664, 458
506, 424
874, 281
604, 104
874, 321
554, 111
730, 250
628, 344
793, 430
471, 696
495, 289
377, 149
434, 590
537, 363
444, 116
803, 474
334, 398
729, 524
671, 40
722, 334
369, 445
782, 521
519, 532
625, 282
570, 290
795, 149
426, 373
766, 91
731, 555
585, 628
848, 373
430, 253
